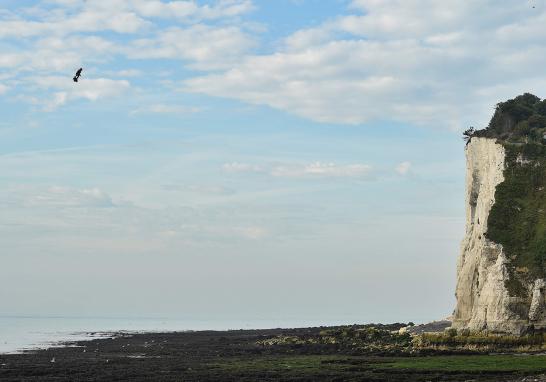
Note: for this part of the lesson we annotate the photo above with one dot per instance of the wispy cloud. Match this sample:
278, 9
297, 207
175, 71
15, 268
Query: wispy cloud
393, 59
91, 89
199, 189
237, 167
54, 37
403, 168
120, 16
166, 109
128, 73
401, 60
297, 170
190, 9
203, 47
67, 197
318, 169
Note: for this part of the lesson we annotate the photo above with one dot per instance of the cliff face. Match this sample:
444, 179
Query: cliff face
483, 299
501, 275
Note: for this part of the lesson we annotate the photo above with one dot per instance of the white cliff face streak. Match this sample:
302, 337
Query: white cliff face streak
483, 302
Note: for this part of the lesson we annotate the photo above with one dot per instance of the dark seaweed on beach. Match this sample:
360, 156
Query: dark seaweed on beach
344, 353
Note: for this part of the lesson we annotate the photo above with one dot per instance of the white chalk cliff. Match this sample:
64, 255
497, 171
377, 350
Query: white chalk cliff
483, 301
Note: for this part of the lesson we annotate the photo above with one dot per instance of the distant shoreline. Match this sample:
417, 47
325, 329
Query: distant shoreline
20, 332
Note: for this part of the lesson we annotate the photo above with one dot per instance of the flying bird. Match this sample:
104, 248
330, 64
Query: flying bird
78, 74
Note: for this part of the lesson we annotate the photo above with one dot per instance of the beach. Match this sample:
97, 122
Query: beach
261, 355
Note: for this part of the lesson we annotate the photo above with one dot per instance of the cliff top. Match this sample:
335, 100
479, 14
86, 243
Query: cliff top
520, 119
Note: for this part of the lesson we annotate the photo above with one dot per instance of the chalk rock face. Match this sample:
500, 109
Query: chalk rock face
483, 302
538, 305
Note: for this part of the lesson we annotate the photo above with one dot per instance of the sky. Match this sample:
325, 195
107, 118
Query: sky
247, 159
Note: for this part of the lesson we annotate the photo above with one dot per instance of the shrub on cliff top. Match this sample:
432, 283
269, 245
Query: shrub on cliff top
520, 118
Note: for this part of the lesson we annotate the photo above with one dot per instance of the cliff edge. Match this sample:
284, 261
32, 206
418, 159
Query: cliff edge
482, 299
501, 271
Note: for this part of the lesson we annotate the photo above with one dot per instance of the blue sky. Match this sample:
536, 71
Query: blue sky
243, 159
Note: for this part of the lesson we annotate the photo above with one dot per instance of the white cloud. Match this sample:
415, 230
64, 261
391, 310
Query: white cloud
86, 44
59, 99
197, 42
166, 109
305, 38
218, 232
403, 168
93, 89
10, 60
198, 189
422, 18
253, 233
53, 54
77, 213
187, 9
128, 73
90, 89
292, 170
319, 169
205, 47
236, 167
55, 37
421, 62
61, 23
427, 63
65, 197
321, 84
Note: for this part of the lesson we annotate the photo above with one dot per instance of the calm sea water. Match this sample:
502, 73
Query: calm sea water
23, 333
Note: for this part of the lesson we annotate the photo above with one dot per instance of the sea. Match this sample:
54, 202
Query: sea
24, 333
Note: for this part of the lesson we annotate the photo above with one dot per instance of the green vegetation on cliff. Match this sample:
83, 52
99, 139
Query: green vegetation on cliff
518, 120
518, 218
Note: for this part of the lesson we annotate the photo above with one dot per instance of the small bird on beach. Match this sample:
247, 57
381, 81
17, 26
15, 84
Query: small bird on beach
52, 360
78, 74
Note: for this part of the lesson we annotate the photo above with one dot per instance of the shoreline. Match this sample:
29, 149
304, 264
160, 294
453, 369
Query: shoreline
37, 332
262, 354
